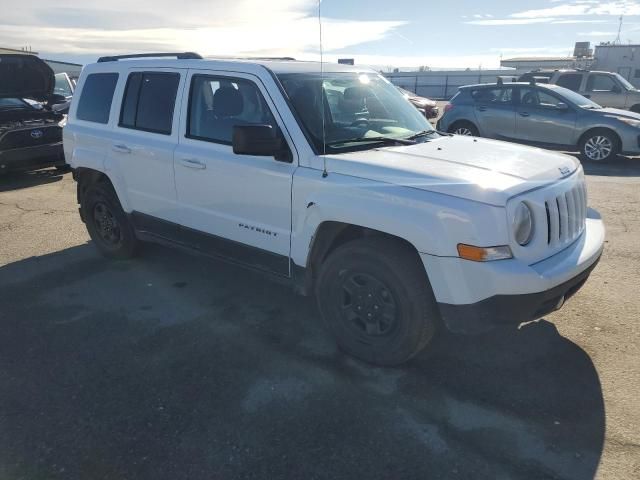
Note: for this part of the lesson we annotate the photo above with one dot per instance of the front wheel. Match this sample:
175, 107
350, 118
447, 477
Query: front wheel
375, 298
599, 146
464, 128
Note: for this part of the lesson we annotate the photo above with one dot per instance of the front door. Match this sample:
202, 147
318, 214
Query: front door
544, 118
241, 203
605, 90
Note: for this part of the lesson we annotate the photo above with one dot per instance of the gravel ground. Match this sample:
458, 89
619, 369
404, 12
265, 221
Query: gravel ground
170, 366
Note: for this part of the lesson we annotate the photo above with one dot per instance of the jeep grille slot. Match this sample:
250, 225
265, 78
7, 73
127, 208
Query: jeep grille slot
566, 215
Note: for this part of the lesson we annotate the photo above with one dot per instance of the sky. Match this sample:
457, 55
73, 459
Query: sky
383, 33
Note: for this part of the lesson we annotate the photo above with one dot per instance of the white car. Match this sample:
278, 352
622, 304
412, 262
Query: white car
334, 183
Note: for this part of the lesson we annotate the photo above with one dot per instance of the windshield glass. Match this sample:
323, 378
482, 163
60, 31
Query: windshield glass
357, 106
12, 103
576, 98
62, 86
625, 83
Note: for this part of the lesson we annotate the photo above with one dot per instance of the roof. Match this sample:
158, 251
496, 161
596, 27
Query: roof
523, 84
277, 66
540, 59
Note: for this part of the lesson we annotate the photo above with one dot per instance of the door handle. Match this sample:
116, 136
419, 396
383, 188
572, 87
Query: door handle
193, 163
524, 114
120, 148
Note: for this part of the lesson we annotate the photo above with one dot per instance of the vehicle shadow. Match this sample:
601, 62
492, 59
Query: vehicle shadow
618, 167
168, 366
20, 180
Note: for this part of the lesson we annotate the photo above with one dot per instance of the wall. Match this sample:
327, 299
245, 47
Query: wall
623, 59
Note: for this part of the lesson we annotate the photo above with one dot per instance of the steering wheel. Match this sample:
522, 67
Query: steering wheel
360, 121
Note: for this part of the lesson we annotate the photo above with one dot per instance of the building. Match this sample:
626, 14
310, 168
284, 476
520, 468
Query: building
14, 50
622, 59
546, 63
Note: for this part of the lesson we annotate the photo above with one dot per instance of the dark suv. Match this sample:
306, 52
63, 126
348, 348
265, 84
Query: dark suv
30, 130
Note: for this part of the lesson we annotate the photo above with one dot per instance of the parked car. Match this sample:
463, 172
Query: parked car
427, 107
30, 131
543, 115
605, 88
395, 228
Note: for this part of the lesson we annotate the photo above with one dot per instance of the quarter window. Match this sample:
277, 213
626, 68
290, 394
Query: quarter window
600, 83
96, 97
217, 104
149, 101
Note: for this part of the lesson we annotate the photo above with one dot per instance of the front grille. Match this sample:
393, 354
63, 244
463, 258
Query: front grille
566, 214
23, 138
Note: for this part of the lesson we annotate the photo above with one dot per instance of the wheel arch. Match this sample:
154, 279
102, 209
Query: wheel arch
592, 130
85, 177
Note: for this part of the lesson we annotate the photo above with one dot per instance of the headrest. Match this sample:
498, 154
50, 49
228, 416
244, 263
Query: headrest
227, 102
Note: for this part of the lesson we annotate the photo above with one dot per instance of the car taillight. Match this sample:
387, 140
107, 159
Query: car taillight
448, 107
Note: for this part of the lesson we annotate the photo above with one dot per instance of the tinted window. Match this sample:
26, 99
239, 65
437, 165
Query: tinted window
217, 104
493, 95
96, 97
600, 83
149, 101
571, 81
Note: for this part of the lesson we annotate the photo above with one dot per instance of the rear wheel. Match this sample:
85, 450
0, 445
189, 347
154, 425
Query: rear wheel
599, 145
376, 300
464, 128
107, 223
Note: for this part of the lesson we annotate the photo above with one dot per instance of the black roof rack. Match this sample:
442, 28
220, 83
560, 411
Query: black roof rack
179, 56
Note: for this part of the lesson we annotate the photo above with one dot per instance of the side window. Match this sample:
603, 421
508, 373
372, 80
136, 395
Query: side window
217, 104
538, 98
600, 83
571, 81
493, 95
149, 101
96, 97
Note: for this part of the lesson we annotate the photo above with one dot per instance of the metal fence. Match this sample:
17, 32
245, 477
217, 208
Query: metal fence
443, 85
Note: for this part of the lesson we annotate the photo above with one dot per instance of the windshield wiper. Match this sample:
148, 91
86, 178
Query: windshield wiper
423, 133
387, 140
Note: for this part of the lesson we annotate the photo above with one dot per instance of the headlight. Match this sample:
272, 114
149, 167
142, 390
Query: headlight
63, 122
523, 224
630, 121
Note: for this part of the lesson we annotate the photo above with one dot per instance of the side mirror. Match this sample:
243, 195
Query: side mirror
616, 89
55, 99
259, 140
563, 107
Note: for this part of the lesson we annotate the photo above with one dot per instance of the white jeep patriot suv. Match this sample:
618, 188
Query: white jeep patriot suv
333, 182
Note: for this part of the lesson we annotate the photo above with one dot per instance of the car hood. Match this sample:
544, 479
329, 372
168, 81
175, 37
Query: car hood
616, 112
487, 171
25, 76
422, 102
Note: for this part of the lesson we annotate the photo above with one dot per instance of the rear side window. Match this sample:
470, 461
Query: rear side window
149, 101
96, 97
571, 81
493, 95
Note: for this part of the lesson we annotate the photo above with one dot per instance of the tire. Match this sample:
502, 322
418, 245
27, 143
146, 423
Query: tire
464, 128
107, 223
371, 277
599, 145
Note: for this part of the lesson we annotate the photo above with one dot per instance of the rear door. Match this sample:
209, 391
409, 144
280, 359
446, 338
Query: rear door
144, 139
543, 117
494, 111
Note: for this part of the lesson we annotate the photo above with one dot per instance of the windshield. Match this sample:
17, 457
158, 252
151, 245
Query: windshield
12, 103
357, 106
576, 98
625, 83
62, 86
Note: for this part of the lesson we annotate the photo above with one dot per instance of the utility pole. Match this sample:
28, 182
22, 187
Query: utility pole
618, 41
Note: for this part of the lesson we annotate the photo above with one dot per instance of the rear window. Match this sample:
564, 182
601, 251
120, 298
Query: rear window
96, 97
149, 101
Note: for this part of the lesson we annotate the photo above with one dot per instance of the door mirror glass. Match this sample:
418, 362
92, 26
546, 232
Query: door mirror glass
563, 107
259, 140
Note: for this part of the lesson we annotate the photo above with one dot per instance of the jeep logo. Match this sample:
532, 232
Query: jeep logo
35, 134
564, 171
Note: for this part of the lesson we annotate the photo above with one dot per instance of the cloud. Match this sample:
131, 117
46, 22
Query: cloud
565, 13
210, 27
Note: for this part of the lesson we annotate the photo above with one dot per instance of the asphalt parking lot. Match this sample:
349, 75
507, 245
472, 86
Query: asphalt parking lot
168, 366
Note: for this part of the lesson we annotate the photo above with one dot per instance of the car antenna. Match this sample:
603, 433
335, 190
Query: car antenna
324, 140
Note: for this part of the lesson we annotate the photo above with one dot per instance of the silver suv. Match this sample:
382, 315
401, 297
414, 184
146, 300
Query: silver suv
605, 88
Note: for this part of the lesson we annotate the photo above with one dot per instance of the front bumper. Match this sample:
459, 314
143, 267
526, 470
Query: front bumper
31, 158
476, 296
